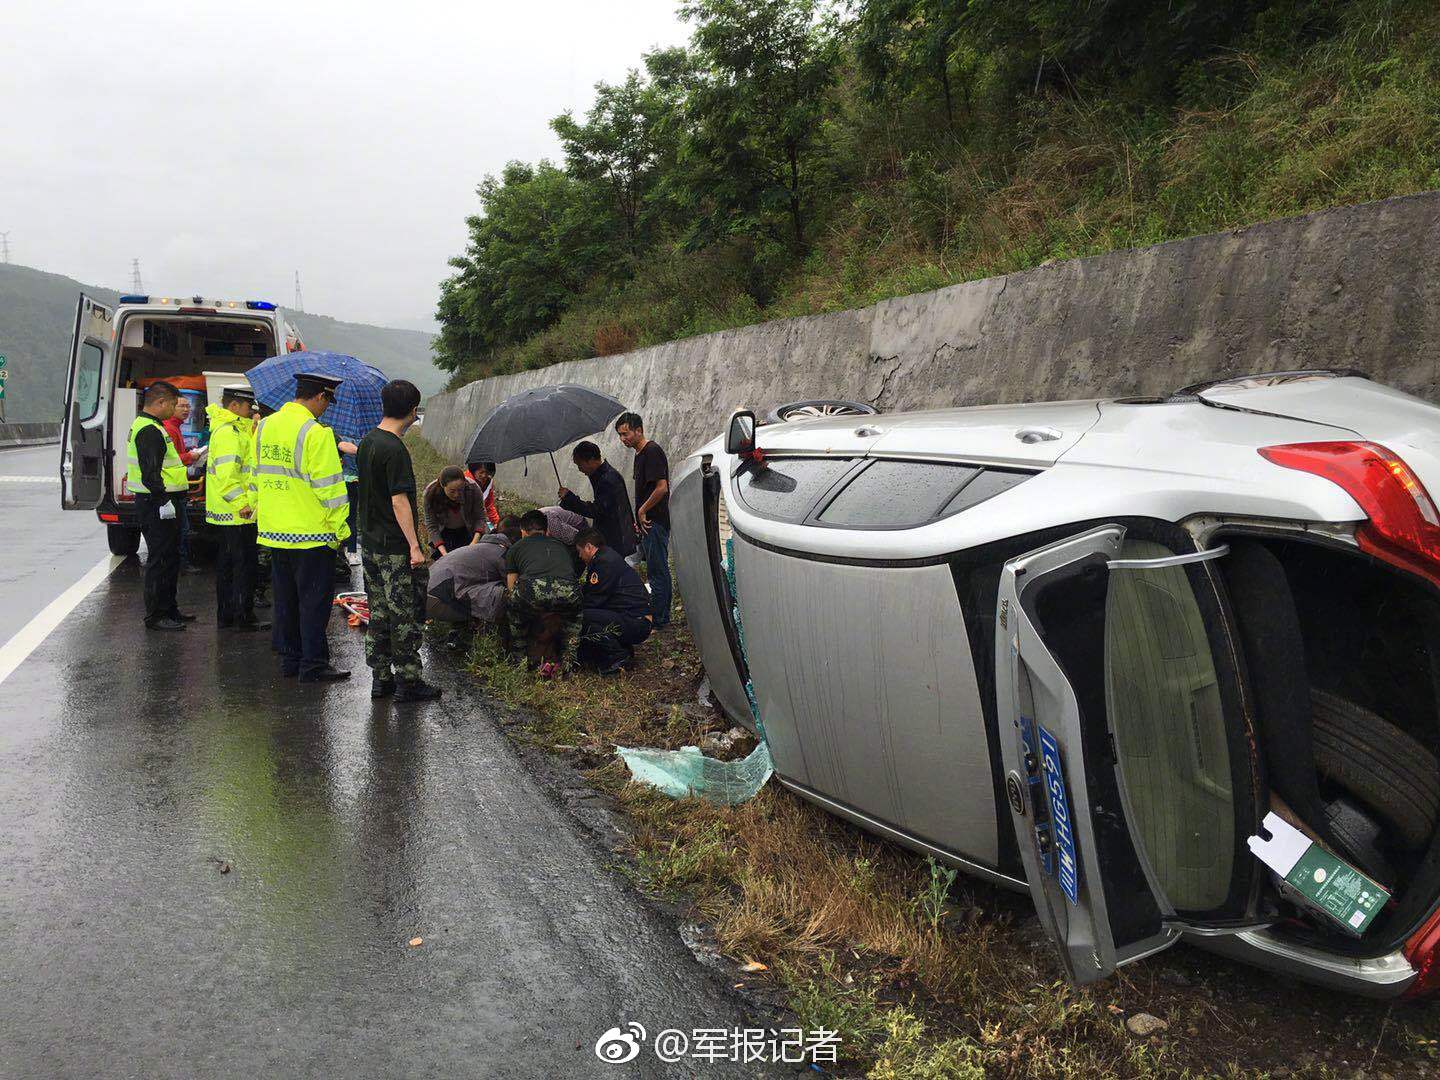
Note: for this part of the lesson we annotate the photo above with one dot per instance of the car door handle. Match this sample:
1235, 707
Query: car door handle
1030, 435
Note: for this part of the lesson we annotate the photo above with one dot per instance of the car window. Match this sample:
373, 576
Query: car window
787, 488
1163, 701
87, 380
987, 485
897, 494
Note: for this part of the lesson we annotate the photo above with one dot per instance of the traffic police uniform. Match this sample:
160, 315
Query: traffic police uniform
162, 536
230, 506
301, 510
616, 612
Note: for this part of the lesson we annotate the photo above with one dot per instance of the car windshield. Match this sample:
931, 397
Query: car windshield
1165, 711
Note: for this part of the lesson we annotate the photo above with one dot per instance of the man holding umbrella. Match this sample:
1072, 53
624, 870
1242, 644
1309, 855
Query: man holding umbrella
301, 511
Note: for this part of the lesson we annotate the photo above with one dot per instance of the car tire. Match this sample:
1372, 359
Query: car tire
124, 541
1379, 764
818, 408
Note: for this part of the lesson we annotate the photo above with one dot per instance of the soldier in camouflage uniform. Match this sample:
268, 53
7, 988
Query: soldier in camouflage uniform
540, 574
396, 592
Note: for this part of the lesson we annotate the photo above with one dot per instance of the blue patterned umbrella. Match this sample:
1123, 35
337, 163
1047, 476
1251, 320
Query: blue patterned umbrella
357, 406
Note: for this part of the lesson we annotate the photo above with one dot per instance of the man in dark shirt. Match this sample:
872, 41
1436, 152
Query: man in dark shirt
609, 507
617, 608
392, 560
156, 506
652, 511
540, 577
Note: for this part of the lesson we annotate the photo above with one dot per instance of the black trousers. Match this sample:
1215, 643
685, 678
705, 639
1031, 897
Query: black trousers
237, 566
451, 538
162, 556
608, 638
303, 584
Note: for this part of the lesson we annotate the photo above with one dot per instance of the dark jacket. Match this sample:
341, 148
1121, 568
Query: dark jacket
609, 508
150, 447
472, 509
612, 584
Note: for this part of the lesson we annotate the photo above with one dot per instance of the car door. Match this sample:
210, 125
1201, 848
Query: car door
87, 407
1124, 769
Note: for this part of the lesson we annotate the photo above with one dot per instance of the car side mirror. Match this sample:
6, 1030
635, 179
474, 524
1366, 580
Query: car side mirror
740, 435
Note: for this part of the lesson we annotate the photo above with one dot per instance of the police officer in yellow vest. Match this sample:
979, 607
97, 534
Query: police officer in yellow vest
301, 510
230, 507
155, 475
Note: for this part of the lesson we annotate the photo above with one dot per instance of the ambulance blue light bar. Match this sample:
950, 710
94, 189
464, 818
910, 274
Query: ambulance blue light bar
259, 305
134, 299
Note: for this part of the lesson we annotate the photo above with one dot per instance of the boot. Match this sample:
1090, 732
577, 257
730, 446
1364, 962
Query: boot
381, 688
419, 690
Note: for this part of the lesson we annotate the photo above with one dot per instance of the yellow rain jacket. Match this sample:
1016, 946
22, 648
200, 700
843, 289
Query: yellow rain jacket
300, 490
228, 483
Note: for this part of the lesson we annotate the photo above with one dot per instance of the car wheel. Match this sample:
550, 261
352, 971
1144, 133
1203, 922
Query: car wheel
1379, 764
124, 541
816, 408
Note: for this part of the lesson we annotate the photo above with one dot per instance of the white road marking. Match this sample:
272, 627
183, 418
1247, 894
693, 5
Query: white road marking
29, 479
30, 636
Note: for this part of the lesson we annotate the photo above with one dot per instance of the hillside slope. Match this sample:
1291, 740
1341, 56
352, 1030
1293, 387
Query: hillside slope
37, 316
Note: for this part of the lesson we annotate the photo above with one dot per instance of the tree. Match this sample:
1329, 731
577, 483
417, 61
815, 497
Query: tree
904, 44
755, 116
530, 253
621, 147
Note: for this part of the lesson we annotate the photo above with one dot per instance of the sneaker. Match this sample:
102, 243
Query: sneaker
382, 688
180, 616
164, 623
418, 690
325, 674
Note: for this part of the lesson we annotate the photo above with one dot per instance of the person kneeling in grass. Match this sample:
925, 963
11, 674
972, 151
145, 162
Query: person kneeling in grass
616, 615
541, 581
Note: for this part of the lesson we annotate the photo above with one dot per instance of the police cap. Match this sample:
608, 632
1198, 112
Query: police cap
310, 383
236, 393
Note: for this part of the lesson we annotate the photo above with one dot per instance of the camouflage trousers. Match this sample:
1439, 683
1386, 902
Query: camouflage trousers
534, 598
396, 592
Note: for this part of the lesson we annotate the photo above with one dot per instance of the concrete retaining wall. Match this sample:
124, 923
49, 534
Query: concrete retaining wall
28, 434
1353, 287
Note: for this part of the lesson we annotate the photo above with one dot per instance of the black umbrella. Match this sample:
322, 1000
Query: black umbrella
541, 421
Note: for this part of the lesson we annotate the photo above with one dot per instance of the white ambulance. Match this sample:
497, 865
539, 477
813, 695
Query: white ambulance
196, 343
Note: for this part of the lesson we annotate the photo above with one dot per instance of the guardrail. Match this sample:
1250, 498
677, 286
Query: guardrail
28, 434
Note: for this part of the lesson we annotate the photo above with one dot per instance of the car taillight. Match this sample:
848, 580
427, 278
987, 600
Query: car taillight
112, 518
1404, 525
1421, 950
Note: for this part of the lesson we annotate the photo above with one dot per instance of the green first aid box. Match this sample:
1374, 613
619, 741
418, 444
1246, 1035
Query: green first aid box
1319, 880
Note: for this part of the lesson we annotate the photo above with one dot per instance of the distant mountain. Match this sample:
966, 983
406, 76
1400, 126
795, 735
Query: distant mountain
37, 318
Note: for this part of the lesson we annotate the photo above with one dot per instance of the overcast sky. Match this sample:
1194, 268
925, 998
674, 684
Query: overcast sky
227, 145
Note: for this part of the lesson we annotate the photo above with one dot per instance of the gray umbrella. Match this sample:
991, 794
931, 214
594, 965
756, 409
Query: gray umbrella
541, 421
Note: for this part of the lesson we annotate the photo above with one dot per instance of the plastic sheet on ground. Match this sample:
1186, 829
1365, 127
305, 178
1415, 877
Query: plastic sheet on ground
687, 771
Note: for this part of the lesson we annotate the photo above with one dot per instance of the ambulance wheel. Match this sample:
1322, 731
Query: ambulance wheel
1379, 764
124, 541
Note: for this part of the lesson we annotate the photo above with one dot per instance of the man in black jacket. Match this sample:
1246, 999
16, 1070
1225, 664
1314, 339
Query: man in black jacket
609, 507
156, 476
615, 606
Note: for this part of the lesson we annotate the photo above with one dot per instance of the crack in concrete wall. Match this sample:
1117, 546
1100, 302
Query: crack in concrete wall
1354, 287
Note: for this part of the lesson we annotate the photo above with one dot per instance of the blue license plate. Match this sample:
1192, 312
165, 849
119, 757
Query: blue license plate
1067, 869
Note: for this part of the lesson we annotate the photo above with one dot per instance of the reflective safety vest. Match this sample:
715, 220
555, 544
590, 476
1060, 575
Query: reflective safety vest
228, 482
300, 491
172, 469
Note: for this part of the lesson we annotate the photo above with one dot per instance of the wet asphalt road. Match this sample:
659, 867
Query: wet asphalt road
131, 764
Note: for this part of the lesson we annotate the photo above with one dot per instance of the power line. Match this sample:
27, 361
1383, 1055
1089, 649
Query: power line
299, 301
136, 286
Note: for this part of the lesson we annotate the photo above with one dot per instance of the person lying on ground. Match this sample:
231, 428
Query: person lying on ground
609, 506
468, 584
454, 512
540, 580
615, 616
482, 475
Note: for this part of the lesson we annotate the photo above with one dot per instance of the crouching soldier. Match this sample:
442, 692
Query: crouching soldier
540, 577
616, 606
